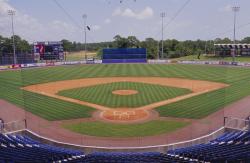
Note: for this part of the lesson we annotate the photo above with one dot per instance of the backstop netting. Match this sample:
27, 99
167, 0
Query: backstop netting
124, 55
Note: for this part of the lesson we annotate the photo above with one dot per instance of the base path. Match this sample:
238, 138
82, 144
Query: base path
125, 114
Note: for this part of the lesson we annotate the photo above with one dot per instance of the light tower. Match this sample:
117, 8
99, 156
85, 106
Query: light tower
235, 9
84, 16
163, 15
12, 13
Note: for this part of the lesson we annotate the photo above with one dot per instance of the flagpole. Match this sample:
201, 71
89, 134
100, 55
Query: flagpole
85, 35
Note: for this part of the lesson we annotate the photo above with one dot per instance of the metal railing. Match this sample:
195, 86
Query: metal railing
236, 123
13, 126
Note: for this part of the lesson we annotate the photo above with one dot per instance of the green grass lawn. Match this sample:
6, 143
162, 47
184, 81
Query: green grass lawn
213, 58
102, 94
194, 107
125, 130
78, 56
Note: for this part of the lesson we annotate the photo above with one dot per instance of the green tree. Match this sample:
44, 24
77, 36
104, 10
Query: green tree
246, 40
67, 45
133, 42
151, 45
22, 46
121, 42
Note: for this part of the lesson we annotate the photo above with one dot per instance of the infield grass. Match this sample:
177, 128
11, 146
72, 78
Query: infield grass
102, 94
125, 130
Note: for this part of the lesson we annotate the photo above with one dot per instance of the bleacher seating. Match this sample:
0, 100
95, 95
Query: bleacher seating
23, 149
119, 157
231, 147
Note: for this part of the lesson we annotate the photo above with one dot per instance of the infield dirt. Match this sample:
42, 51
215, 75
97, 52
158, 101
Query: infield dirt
125, 114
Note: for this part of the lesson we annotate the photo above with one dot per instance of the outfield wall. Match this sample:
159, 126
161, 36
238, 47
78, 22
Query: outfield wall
124, 55
48, 64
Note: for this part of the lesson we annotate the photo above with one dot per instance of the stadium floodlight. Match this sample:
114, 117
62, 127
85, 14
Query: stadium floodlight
12, 13
163, 15
84, 16
235, 9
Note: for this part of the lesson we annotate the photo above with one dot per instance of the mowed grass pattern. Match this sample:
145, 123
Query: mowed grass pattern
195, 107
102, 94
213, 58
125, 130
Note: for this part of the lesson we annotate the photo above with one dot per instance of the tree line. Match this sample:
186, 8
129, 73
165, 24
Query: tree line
21, 45
172, 48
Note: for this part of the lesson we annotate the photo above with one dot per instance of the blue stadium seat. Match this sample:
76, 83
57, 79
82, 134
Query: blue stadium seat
231, 147
18, 148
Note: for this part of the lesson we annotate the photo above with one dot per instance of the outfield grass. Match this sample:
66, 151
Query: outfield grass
213, 58
78, 56
125, 130
194, 107
102, 94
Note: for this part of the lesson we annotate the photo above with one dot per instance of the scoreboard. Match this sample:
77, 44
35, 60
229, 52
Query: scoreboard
49, 50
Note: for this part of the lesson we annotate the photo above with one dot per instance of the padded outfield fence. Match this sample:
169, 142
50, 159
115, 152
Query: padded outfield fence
124, 55
21, 58
55, 63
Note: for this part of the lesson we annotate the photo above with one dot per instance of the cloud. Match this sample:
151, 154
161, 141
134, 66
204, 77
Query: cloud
96, 27
32, 29
4, 7
23, 23
144, 14
107, 21
226, 8
128, 13
117, 12
57, 24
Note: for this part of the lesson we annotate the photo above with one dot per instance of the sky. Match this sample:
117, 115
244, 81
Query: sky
45, 20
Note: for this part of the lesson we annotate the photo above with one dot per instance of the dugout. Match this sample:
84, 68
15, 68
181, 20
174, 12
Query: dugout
124, 55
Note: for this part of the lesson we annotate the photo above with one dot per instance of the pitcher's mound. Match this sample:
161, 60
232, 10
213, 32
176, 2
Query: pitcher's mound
125, 92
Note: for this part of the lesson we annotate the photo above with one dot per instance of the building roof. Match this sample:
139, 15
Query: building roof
231, 46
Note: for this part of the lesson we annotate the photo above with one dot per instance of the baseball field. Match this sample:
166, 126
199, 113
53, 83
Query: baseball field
130, 93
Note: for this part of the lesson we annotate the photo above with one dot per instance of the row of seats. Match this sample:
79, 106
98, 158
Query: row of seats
231, 147
23, 149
